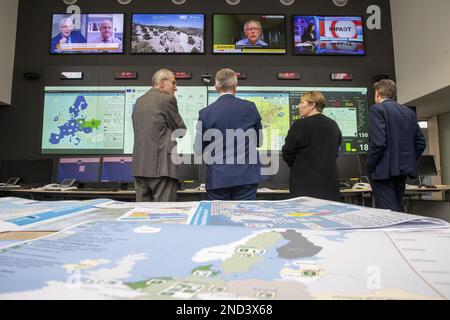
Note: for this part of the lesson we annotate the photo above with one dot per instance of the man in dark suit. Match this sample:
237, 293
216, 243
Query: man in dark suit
155, 118
66, 35
228, 134
396, 143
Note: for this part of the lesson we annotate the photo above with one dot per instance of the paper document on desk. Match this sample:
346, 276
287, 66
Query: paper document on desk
132, 205
179, 212
305, 213
19, 214
135, 260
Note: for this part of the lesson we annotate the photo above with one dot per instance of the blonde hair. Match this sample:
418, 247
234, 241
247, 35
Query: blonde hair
317, 98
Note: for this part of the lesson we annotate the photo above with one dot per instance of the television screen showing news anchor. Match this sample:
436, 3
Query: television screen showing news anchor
318, 35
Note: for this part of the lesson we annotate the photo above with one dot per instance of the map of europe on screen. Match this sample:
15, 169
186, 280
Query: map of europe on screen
86, 119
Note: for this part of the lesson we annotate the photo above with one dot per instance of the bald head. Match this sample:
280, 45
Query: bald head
164, 80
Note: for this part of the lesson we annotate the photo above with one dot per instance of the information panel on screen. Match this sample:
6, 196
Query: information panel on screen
327, 35
97, 120
87, 33
249, 34
278, 107
168, 33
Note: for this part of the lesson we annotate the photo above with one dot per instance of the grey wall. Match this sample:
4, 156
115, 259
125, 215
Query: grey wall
20, 126
444, 139
8, 25
422, 46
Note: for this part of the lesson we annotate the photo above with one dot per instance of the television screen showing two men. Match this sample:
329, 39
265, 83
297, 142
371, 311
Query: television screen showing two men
87, 33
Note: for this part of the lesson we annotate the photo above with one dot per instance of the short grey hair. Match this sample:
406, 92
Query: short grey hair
387, 88
106, 21
64, 21
226, 80
250, 21
160, 75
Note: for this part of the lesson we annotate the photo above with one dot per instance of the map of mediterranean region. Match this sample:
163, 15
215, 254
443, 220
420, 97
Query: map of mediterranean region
125, 260
75, 125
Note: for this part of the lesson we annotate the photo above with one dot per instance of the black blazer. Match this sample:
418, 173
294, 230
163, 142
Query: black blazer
309, 37
395, 141
311, 149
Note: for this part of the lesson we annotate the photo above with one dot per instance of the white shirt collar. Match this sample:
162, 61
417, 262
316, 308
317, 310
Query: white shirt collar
225, 93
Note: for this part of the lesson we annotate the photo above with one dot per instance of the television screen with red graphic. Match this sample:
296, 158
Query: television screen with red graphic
327, 35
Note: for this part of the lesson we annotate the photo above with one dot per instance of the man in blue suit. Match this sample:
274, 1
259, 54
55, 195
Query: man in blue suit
396, 143
228, 134
66, 35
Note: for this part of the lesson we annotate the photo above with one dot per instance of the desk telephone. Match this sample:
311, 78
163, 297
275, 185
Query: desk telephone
66, 185
11, 183
362, 186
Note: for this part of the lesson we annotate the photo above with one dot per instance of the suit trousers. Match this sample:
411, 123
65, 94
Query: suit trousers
163, 189
389, 193
245, 192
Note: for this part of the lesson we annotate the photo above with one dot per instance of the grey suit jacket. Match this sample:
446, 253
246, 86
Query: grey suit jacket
155, 117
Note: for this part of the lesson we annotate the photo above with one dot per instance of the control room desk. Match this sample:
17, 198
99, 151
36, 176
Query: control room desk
348, 196
419, 192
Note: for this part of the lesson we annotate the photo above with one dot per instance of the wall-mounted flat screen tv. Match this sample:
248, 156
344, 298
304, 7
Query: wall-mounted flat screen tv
249, 34
327, 35
168, 33
87, 33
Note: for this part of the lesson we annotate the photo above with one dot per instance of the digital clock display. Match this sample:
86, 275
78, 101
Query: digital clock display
71, 76
127, 75
241, 75
288, 76
341, 76
183, 75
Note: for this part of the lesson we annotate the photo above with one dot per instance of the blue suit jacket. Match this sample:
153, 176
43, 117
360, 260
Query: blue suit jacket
396, 141
75, 37
229, 112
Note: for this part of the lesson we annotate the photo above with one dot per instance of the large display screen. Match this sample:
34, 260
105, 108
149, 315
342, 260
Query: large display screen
244, 34
278, 107
97, 120
168, 33
319, 35
87, 33
273, 106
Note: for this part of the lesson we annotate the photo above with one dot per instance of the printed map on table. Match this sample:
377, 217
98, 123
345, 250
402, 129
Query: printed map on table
22, 214
126, 260
161, 212
305, 213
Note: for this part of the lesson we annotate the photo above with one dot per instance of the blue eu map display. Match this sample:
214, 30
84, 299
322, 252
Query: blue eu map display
83, 120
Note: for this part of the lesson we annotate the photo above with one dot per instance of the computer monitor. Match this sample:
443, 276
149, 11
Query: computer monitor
282, 178
348, 166
81, 169
426, 166
39, 171
13, 168
117, 169
188, 172
363, 161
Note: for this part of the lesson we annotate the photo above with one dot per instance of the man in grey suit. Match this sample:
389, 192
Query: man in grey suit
155, 118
